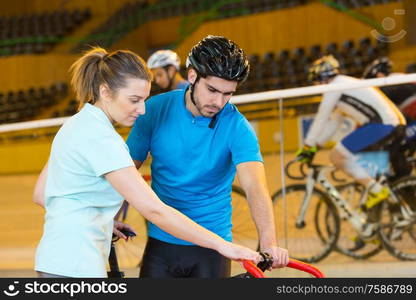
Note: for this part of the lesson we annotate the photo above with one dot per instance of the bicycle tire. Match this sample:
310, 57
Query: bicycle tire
352, 193
244, 230
400, 241
303, 243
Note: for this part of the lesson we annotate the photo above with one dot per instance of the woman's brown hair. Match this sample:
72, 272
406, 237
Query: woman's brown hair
97, 67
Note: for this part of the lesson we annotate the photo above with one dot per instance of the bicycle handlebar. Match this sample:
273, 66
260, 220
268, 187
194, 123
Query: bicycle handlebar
303, 172
124, 231
301, 266
301, 168
294, 264
335, 178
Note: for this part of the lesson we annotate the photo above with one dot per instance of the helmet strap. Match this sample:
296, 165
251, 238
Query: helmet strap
192, 87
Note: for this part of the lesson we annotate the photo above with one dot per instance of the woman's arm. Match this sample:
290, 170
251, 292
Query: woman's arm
137, 192
39, 192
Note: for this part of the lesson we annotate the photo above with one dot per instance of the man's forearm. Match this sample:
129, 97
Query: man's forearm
262, 213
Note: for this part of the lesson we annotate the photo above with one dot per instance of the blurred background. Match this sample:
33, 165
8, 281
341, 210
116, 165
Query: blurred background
40, 39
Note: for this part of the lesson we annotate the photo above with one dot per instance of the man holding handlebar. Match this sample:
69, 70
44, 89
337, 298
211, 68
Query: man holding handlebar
198, 142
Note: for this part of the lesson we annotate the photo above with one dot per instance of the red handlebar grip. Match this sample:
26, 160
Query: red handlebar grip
298, 265
294, 264
252, 269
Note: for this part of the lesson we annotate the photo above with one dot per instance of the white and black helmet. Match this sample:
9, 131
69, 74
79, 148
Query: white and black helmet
163, 58
323, 69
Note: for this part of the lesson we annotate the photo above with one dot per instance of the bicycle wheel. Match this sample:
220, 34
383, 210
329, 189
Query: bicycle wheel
352, 193
398, 231
303, 241
129, 254
244, 230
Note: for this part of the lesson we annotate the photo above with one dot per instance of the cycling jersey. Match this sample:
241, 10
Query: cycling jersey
399, 93
363, 105
404, 96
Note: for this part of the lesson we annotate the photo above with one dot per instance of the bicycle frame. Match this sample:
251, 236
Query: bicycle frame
316, 174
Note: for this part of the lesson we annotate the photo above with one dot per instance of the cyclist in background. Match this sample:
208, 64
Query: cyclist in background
377, 117
165, 66
403, 95
199, 142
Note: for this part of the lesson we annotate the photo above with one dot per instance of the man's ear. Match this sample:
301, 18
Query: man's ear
105, 92
192, 75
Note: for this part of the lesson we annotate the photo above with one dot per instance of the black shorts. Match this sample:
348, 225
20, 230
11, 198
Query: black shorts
165, 260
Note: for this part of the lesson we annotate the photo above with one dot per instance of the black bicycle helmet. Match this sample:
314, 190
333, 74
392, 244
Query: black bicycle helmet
381, 65
218, 56
323, 69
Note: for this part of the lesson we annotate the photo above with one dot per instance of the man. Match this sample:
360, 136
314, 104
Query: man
377, 118
165, 65
198, 142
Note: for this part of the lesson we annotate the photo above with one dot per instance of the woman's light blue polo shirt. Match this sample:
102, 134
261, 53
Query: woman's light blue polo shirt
80, 203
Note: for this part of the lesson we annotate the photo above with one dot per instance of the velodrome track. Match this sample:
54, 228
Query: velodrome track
21, 228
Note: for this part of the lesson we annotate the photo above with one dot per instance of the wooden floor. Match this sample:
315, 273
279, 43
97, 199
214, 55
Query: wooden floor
21, 224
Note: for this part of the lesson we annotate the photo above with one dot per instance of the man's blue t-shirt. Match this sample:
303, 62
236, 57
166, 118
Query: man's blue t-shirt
182, 85
193, 166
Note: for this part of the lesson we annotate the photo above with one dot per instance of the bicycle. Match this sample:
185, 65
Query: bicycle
401, 148
390, 222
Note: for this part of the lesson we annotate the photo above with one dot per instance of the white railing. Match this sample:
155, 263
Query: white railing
249, 98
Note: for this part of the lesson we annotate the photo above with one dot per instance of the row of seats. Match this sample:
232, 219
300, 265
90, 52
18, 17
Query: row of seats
38, 33
289, 68
69, 110
168, 8
411, 68
125, 19
22, 105
132, 15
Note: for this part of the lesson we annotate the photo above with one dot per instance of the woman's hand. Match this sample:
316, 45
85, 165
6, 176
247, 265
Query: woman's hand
118, 226
237, 252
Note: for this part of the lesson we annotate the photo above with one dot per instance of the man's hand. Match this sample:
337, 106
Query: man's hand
119, 226
306, 154
280, 256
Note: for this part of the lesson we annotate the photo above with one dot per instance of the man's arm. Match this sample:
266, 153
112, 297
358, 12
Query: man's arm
328, 103
252, 178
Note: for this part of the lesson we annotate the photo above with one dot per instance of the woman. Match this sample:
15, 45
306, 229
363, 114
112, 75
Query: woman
90, 172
